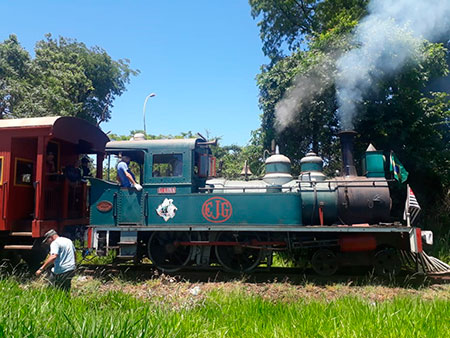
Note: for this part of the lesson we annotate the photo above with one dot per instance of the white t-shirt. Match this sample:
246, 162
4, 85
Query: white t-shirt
63, 247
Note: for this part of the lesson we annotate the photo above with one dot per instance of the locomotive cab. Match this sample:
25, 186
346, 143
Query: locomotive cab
162, 167
184, 164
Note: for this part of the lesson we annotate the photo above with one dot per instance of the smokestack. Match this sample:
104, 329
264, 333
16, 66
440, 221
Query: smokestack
348, 167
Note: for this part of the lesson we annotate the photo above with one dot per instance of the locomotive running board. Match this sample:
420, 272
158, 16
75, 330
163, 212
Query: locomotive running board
257, 228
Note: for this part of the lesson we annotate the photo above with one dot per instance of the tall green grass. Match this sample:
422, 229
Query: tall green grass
45, 312
438, 220
441, 247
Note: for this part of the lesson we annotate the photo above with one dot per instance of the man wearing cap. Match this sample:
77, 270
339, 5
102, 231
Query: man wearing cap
62, 255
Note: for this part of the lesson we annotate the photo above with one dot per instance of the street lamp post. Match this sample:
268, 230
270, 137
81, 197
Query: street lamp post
143, 109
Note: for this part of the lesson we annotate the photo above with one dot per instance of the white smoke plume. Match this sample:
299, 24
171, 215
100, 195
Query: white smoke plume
305, 88
387, 38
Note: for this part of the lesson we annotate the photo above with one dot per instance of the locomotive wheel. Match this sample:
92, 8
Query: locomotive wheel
165, 252
324, 262
237, 258
387, 262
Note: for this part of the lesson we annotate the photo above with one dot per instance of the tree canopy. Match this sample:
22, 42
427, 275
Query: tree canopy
290, 24
64, 78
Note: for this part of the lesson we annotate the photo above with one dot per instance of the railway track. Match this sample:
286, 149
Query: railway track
141, 272
260, 275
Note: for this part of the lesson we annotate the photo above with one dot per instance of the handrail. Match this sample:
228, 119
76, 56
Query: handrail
335, 183
146, 205
115, 205
349, 181
269, 187
36, 185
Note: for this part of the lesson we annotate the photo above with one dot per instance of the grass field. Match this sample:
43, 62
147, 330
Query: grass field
166, 308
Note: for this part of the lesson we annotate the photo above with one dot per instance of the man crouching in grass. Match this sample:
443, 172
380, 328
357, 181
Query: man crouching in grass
62, 255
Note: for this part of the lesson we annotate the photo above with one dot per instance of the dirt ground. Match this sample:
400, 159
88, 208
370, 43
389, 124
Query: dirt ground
170, 291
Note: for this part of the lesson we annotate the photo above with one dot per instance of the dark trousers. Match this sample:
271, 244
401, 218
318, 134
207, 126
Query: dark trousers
63, 280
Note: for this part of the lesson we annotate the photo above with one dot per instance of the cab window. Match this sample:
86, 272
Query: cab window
167, 165
135, 165
205, 165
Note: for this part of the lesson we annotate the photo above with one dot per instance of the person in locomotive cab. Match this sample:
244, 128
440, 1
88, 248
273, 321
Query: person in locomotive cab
177, 166
51, 166
85, 170
125, 175
62, 255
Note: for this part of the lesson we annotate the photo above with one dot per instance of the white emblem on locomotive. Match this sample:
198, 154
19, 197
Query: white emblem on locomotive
166, 209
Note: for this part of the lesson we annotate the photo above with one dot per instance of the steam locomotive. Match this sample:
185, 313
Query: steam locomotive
184, 215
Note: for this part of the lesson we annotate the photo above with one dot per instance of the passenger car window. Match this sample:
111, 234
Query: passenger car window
167, 165
23, 173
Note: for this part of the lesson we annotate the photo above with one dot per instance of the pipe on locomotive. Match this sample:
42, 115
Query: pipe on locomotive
348, 166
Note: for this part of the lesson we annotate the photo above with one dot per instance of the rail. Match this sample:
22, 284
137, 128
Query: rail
331, 184
273, 188
347, 183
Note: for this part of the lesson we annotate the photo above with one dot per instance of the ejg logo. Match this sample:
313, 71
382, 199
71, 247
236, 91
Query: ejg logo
217, 210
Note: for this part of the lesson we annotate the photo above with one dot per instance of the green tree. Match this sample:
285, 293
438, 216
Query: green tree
290, 24
182, 135
231, 159
65, 78
284, 22
15, 71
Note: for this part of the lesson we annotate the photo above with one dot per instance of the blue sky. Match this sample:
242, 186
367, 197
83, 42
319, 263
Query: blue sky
200, 57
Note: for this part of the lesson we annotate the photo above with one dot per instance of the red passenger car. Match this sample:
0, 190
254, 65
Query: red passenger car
40, 183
